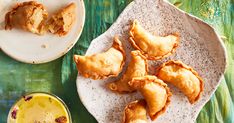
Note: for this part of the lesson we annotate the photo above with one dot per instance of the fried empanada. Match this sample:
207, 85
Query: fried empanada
152, 47
183, 77
62, 22
155, 92
135, 112
137, 67
30, 16
102, 65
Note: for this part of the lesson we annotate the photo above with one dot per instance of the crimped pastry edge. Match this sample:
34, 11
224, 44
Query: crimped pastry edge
180, 63
149, 79
118, 46
131, 40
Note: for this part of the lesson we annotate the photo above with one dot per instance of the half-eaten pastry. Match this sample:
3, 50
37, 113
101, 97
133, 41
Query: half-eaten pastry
62, 22
183, 77
135, 112
155, 92
30, 16
151, 46
102, 65
137, 67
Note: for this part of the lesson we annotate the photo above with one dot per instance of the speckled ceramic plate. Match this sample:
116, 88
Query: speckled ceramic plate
200, 47
31, 48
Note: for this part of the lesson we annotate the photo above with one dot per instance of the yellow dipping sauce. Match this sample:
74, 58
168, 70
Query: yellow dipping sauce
39, 108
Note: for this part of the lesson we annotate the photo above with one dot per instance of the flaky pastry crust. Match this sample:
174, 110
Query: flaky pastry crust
62, 22
30, 16
135, 112
102, 65
183, 77
152, 47
155, 92
137, 67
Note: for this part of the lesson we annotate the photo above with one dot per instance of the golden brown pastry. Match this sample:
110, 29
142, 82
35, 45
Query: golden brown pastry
137, 67
152, 47
29, 16
155, 92
135, 112
62, 22
183, 77
102, 65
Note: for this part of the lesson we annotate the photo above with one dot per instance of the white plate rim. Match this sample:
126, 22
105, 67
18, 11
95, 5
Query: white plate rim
58, 55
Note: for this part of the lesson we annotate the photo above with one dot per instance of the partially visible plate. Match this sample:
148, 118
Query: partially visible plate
31, 48
200, 47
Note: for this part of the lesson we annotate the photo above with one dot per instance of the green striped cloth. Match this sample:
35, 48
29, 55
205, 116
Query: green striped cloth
59, 76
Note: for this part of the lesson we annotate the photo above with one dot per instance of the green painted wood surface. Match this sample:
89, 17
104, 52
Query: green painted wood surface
59, 76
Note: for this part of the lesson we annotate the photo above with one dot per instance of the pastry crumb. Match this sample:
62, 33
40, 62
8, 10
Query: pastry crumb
44, 46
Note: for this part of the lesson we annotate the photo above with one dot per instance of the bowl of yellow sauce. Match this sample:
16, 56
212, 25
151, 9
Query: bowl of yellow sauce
39, 107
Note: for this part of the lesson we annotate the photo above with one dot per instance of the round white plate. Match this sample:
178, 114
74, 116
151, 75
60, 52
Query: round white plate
31, 48
200, 47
